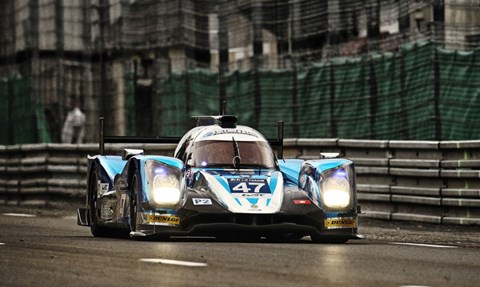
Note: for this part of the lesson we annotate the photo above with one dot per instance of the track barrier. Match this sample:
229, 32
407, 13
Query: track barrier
423, 181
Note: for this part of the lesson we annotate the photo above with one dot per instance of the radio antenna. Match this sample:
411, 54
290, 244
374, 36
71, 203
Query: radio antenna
223, 108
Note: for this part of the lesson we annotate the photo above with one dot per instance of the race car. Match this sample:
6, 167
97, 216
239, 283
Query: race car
224, 181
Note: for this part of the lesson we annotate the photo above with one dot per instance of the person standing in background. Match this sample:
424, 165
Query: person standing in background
74, 125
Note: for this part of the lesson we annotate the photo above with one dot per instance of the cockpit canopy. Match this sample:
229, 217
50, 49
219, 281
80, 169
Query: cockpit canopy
232, 147
249, 154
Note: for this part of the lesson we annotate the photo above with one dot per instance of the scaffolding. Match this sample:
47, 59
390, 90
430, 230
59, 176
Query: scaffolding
149, 65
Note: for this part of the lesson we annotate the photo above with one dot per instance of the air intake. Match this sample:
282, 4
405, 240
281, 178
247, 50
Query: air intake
225, 121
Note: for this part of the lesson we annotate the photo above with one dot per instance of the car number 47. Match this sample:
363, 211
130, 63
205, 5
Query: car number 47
246, 188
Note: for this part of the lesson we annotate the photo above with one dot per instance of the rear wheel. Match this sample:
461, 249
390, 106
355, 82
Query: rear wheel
95, 228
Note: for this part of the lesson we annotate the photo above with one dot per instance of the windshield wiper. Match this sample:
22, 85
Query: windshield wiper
236, 159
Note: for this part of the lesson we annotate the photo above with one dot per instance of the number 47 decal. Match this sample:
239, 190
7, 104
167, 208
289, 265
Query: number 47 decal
246, 188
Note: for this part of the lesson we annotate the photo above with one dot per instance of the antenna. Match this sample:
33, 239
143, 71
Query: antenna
101, 135
280, 131
223, 108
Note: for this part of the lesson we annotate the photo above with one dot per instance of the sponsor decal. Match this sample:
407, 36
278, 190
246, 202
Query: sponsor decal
169, 219
248, 185
252, 195
102, 188
229, 131
340, 222
202, 201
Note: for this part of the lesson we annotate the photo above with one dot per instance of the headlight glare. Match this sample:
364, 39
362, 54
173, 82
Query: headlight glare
164, 184
166, 190
336, 190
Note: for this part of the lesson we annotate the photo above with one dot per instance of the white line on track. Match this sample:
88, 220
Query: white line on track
174, 262
19, 214
424, 245
1, 243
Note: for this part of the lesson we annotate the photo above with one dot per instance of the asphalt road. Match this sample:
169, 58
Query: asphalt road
51, 250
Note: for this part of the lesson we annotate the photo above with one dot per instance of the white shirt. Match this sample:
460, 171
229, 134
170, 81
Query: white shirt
75, 118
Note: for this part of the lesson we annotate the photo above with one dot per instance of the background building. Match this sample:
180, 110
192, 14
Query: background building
115, 56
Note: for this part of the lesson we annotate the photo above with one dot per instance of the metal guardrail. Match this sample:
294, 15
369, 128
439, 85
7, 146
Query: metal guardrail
41, 174
424, 181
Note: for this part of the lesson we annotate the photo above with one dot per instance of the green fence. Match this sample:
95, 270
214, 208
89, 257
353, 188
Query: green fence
22, 118
419, 93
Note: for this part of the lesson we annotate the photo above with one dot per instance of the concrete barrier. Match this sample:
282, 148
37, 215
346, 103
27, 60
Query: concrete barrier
424, 181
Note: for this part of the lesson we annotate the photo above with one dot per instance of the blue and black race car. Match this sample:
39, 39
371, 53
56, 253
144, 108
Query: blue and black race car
223, 181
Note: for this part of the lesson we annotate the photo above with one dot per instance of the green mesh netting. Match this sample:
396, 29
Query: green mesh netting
314, 116
22, 116
459, 94
240, 86
276, 102
4, 112
404, 95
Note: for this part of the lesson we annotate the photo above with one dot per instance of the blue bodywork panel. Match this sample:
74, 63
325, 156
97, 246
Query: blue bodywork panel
291, 168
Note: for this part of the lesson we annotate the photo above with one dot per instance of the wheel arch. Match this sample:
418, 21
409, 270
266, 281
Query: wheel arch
105, 173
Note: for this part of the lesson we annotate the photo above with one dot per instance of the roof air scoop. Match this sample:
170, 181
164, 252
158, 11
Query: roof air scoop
225, 121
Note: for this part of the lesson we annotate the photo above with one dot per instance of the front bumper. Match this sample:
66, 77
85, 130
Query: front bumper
257, 225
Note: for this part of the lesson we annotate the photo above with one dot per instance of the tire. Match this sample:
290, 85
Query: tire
238, 237
329, 239
282, 238
133, 204
95, 228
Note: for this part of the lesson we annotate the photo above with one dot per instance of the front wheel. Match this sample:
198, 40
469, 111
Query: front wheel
329, 239
95, 228
133, 204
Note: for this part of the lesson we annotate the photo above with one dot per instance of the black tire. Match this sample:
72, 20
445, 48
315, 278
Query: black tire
237, 237
133, 204
282, 238
95, 228
329, 239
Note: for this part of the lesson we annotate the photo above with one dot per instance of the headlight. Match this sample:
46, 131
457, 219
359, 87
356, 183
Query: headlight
336, 190
164, 183
166, 190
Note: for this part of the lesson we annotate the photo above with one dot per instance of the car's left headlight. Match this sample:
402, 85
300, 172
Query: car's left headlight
336, 189
164, 183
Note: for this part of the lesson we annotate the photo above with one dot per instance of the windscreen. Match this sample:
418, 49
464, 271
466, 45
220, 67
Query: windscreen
253, 154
